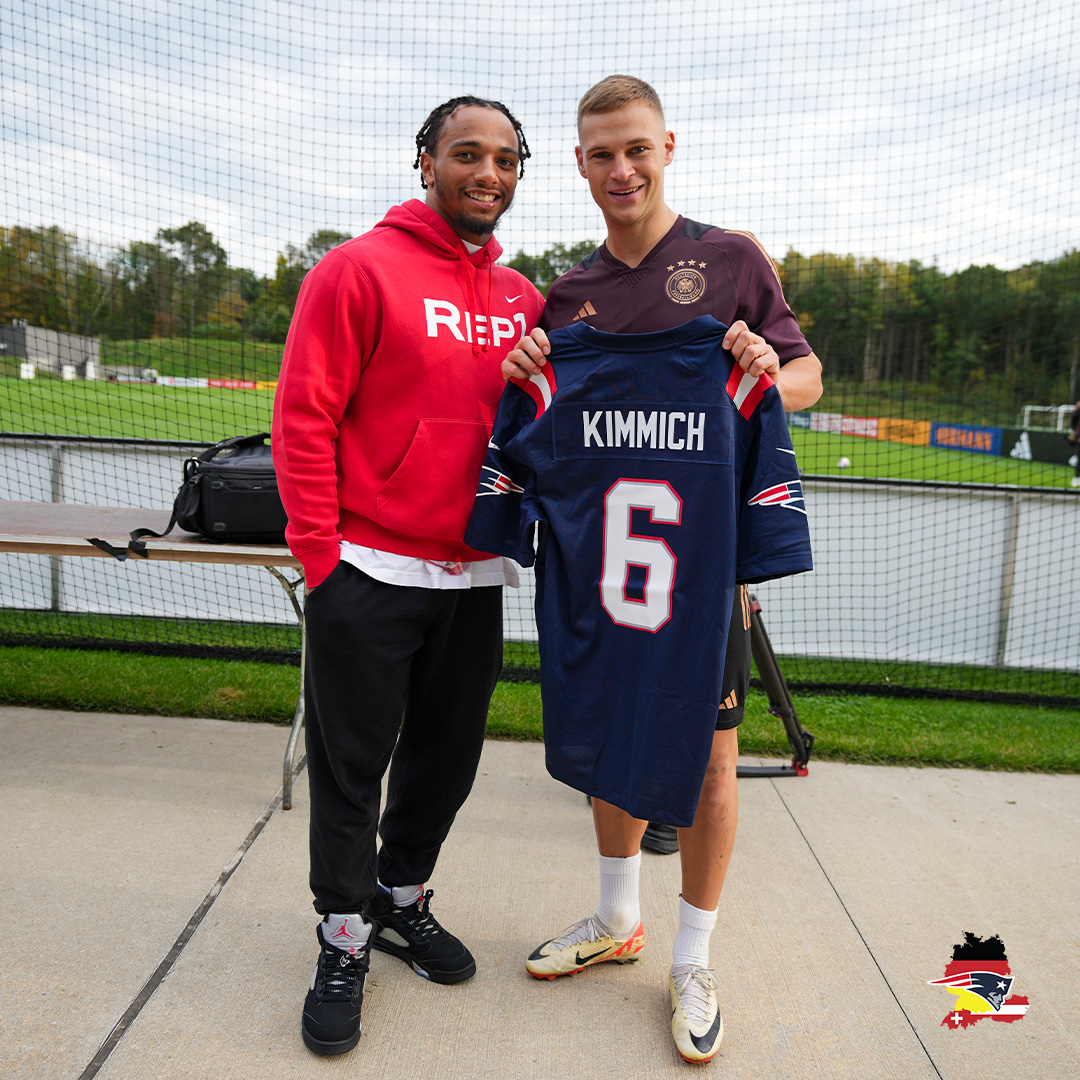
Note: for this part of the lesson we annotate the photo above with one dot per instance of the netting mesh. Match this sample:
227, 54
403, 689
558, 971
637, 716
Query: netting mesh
171, 171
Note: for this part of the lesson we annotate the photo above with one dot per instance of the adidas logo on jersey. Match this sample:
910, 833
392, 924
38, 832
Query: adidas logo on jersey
585, 311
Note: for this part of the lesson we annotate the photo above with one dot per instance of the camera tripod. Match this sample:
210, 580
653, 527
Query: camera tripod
780, 703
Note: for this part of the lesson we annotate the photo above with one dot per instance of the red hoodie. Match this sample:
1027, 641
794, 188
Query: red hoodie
388, 390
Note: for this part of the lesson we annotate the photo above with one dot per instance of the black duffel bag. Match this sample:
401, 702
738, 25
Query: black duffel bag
229, 493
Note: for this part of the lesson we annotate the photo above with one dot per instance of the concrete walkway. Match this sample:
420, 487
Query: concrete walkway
145, 854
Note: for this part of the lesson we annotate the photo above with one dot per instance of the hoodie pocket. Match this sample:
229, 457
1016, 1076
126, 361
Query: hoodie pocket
431, 492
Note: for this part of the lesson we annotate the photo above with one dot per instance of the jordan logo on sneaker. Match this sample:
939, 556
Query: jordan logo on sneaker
585, 311
343, 932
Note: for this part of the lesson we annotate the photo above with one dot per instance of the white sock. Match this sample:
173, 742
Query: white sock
404, 895
692, 940
346, 932
619, 909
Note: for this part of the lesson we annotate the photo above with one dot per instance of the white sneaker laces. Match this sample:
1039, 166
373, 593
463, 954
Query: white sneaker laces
587, 929
697, 991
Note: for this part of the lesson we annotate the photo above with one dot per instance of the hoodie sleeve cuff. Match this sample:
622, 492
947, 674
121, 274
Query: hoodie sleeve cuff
319, 564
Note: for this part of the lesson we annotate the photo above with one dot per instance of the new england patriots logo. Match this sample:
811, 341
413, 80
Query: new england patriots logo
494, 482
991, 986
788, 495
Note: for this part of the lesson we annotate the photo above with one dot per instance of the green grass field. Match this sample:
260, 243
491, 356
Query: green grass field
131, 410
50, 406
819, 452
864, 728
859, 729
198, 357
521, 658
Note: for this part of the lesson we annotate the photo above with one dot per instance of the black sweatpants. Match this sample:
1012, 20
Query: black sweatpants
401, 676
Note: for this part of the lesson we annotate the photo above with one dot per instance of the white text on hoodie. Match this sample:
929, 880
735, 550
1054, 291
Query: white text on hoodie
461, 324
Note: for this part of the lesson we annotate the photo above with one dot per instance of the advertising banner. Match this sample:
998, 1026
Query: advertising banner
916, 432
976, 440
1049, 446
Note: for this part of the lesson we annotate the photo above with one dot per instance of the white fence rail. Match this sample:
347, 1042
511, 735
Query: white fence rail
966, 574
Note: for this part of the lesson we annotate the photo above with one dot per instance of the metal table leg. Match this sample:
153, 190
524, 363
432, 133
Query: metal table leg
290, 767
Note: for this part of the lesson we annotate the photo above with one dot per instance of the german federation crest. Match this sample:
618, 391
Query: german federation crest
685, 286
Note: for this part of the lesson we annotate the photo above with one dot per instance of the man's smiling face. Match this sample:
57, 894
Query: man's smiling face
473, 174
623, 154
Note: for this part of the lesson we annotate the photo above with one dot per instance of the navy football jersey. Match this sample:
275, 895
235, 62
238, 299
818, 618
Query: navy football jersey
663, 475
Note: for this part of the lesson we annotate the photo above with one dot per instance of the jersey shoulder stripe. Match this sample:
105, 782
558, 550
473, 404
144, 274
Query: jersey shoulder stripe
539, 387
761, 247
747, 390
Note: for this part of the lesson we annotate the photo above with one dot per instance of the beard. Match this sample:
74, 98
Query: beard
462, 219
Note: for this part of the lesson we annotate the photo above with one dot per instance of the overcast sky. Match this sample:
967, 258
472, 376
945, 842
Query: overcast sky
939, 130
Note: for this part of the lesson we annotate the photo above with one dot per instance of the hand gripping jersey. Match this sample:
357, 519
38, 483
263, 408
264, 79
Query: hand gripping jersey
663, 475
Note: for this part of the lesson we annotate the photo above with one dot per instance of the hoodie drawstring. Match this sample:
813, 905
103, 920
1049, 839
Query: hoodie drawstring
466, 269
423, 222
491, 278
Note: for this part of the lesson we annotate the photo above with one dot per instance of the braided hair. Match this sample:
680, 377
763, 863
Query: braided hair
427, 138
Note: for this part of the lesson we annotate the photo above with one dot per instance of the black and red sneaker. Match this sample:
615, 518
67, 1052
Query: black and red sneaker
331, 1022
413, 934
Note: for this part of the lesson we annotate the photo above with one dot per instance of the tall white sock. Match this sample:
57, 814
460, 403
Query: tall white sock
619, 909
692, 940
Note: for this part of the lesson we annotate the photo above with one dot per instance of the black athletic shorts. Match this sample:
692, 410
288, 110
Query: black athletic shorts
736, 681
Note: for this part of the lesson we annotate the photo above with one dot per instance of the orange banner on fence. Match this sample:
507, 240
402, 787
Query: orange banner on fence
916, 432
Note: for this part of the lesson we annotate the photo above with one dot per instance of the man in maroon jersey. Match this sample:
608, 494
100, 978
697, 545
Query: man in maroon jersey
656, 270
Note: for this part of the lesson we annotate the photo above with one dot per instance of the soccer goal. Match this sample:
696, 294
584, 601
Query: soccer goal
1046, 417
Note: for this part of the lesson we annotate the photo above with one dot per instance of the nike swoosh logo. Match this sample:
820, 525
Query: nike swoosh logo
585, 959
511, 299
705, 1042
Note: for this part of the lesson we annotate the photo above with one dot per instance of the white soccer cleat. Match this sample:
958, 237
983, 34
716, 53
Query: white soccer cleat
696, 1024
587, 942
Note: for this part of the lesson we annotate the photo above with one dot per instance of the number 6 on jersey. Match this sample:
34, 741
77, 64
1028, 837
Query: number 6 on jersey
623, 550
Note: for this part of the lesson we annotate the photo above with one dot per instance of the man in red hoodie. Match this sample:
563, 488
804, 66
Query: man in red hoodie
388, 391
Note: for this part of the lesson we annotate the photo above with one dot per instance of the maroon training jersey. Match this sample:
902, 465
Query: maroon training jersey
695, 270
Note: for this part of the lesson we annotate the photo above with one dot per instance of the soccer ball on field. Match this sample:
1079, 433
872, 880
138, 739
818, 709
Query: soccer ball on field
844, 463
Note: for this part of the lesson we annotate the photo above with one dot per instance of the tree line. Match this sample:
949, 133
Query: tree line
179, 284
1006, 337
